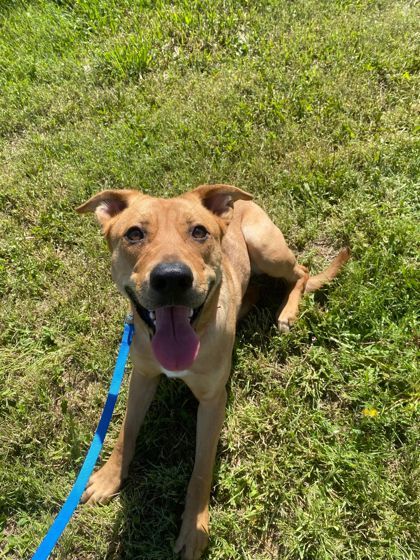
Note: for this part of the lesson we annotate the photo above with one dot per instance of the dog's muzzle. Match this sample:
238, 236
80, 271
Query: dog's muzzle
172, 314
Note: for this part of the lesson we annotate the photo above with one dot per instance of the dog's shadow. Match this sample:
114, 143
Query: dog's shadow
153, 497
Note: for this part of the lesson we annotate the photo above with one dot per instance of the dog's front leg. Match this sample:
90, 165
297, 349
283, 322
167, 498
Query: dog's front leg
193, 537
105, 482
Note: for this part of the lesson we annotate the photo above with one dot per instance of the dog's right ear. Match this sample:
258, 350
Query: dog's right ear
108, 204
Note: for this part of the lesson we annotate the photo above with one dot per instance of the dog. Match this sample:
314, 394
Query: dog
185, 264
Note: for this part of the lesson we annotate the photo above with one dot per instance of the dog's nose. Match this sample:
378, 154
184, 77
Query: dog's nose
171, 278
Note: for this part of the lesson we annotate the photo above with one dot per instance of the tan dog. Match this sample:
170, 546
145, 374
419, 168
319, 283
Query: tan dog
185, 265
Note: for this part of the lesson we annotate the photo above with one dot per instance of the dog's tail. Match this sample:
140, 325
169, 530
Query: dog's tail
315, 282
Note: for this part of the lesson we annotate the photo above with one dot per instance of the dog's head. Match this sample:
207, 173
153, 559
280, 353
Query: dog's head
166, 257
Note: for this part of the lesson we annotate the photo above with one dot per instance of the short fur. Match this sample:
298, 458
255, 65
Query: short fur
241, 241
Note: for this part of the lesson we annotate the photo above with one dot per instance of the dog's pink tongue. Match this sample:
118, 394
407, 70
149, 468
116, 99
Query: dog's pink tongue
175, 343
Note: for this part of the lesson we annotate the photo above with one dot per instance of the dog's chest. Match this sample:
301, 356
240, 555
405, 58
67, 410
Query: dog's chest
176, 374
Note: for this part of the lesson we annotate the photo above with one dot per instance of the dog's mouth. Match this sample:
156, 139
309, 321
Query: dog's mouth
174, 341
149, 315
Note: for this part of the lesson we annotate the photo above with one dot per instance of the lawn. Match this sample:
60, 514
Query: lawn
311, 106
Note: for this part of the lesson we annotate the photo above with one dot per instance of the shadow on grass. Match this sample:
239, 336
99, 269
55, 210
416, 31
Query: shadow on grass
153, 496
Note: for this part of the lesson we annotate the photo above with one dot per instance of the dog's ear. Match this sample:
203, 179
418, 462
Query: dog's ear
108, 204
219, 199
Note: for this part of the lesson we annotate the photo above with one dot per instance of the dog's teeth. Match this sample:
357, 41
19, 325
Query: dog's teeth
152, 315
191, 313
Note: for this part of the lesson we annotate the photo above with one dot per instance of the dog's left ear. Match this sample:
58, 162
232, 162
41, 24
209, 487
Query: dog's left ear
219, 199
108, 204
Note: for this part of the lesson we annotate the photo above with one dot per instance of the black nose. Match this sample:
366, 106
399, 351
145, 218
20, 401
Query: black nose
171, 278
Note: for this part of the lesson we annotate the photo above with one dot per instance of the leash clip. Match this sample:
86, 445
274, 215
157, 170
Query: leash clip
129, 318
128, 328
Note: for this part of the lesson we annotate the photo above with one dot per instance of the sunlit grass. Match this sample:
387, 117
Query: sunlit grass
312, 107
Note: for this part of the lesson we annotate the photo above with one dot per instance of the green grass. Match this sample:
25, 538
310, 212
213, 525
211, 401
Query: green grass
311, 106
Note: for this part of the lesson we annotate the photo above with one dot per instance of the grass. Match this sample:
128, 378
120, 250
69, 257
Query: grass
312, 107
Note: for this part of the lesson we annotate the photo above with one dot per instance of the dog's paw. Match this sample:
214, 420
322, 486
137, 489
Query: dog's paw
193, 538
102, 485
283, 326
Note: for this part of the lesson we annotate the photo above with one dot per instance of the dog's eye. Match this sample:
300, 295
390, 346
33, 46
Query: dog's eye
199, 232
134, 234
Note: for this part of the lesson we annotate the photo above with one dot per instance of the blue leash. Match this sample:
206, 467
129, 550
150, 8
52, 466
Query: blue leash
64, 515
